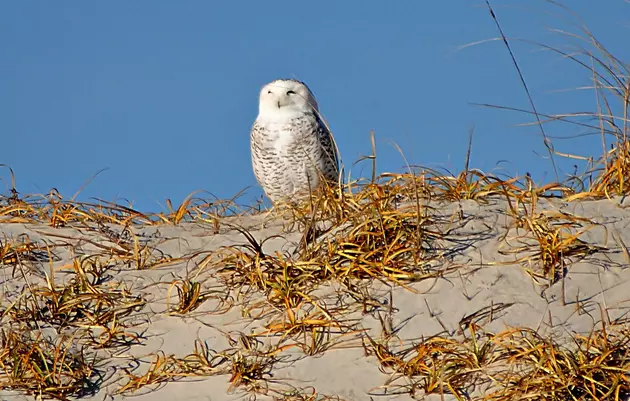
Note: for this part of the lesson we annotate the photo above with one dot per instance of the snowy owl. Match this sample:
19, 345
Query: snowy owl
291, 147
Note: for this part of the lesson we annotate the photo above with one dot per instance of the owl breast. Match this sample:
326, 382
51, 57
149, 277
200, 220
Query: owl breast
289, 158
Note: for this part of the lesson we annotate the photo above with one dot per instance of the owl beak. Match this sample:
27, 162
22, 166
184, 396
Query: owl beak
279, 105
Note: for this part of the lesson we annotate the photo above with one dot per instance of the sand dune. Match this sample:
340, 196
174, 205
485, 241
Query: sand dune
475, 271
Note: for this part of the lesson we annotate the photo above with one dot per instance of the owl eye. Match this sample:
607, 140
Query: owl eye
290, 93
268, 91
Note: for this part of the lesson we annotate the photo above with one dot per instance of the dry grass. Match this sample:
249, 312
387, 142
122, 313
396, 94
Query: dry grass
595, 368
514, 364
40, 366
549, 239
247, 366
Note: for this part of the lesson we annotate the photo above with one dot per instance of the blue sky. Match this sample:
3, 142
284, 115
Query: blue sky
163, 93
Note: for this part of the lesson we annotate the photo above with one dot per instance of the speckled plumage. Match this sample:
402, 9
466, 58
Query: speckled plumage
291, 147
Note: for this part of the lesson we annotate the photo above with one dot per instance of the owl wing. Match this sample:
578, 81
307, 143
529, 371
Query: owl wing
327, 142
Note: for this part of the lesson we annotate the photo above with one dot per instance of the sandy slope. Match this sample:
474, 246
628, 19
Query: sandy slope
596, 283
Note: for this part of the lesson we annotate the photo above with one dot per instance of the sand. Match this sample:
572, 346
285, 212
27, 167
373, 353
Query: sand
478, 273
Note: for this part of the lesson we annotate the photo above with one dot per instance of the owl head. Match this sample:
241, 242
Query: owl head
286, 98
